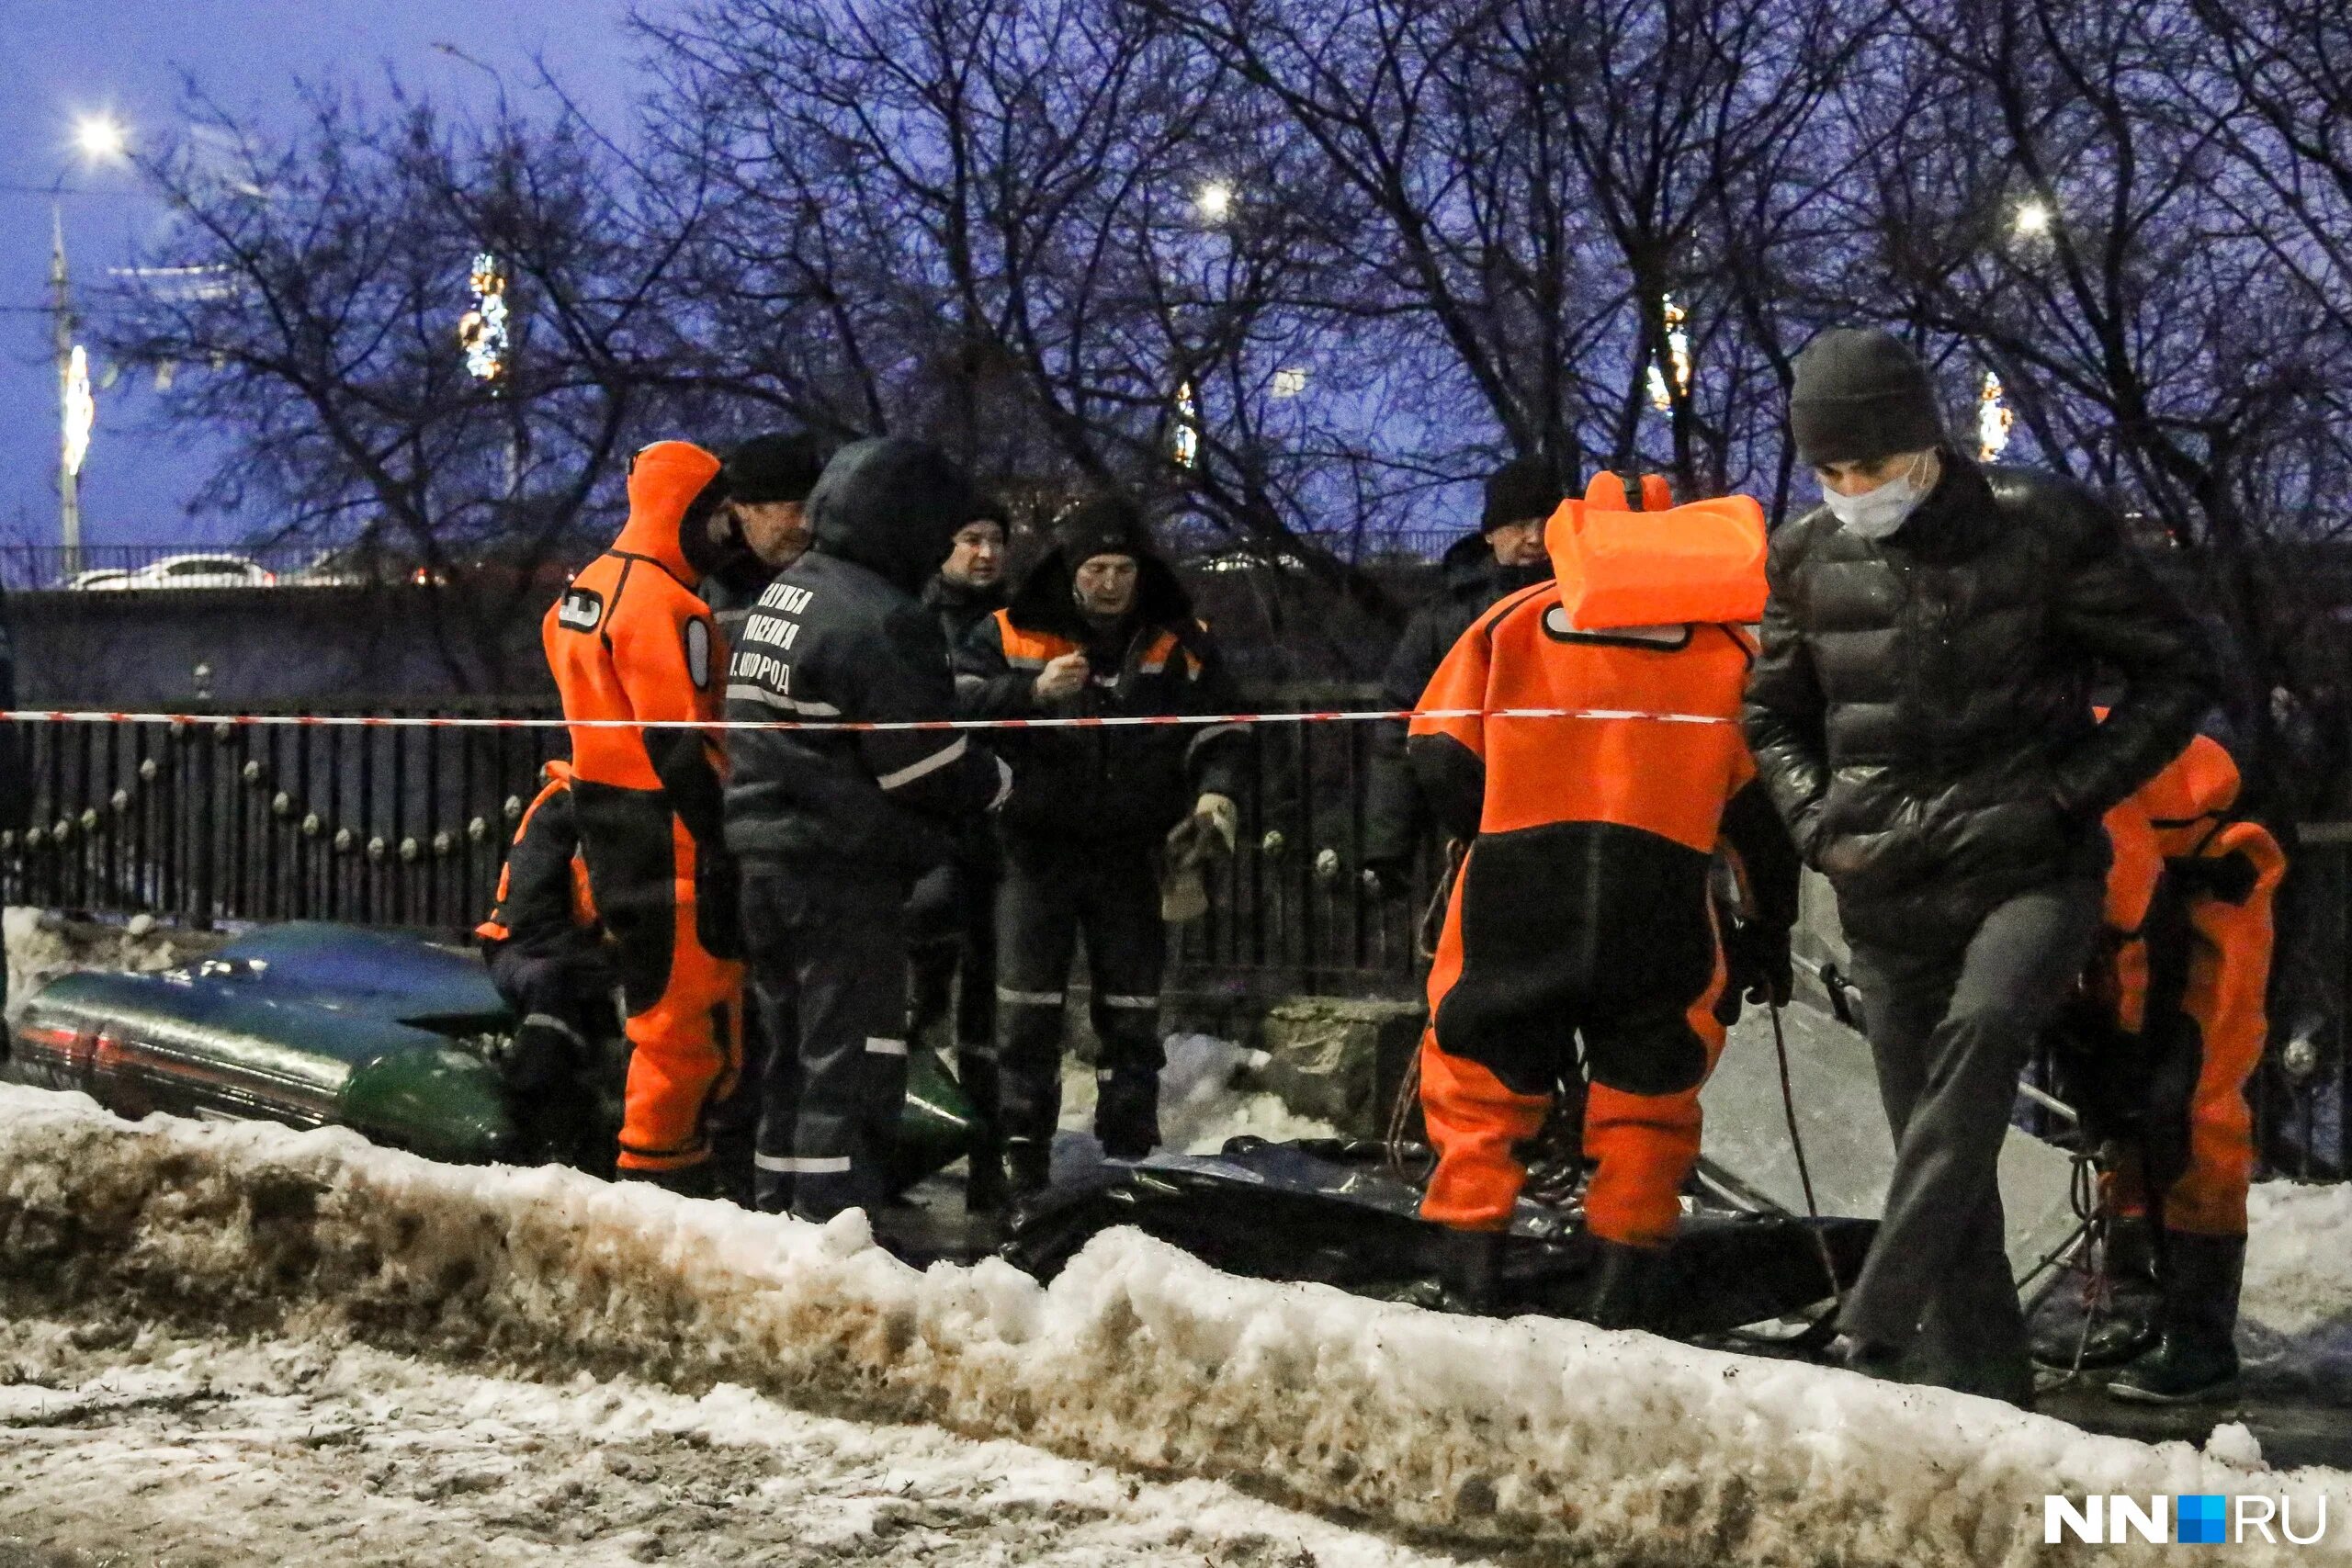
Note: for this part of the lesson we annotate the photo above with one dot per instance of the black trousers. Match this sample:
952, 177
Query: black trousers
829, 973
1051, 895
1949, 1030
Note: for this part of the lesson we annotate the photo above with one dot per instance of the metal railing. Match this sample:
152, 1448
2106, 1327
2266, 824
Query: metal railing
150, 568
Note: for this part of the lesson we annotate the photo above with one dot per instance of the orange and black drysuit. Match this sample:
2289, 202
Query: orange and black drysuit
2181, 986
550, 961
1582, 909
632, 639
2170, 1027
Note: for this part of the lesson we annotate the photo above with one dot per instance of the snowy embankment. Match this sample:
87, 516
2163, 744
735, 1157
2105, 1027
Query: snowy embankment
1610, 1447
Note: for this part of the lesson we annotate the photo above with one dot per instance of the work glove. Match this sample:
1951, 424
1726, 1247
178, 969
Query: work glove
1758, 963
1222, 816
1207, 834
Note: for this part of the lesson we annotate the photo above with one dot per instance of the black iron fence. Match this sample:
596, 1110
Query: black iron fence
207, 822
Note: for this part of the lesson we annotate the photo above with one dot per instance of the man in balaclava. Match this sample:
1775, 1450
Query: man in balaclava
1921, 713
835, 826
1099, 627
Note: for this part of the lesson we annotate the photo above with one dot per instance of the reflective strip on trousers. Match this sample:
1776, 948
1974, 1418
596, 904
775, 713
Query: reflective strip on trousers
803, 1165
550, 1020
1029, 999
878, 1046
1115, 1001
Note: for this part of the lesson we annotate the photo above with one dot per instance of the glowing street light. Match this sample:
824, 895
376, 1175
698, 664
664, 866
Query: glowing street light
1214, 201
81, 411
101, 139
2034, 217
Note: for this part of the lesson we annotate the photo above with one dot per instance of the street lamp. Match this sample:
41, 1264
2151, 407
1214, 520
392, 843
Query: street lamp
1214, 201
99, 139
2034, 217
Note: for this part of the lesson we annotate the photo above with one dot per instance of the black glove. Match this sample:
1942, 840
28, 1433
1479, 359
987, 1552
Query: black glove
1757, 963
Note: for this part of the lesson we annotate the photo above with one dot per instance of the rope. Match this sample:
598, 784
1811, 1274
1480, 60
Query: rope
1804, 1171
1107, 721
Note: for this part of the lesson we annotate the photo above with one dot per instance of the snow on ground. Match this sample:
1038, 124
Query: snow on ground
43, 945
1550, 1436
2296, 1310
1202, 1098
308, 1455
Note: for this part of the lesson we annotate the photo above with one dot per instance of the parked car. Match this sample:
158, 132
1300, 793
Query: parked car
99, 577
182, 571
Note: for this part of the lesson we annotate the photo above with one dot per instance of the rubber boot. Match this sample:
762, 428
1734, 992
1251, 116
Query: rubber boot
2121, 1302
984, 1184
1028, 1164
1626, 1289
1126, 1117
2198, 1357
1469, 1265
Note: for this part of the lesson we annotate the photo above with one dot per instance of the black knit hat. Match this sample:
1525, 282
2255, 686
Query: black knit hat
987, 508
1522, 488
1106, 526
778, 467
1861, 395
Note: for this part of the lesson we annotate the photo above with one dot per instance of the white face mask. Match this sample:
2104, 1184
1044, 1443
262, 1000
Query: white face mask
1877, 513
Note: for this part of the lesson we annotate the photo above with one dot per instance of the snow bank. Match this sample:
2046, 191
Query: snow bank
1603, 1447
43, 945
1205, 1097
2296, 1310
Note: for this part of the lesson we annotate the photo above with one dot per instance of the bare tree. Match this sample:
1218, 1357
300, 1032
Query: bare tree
311, 289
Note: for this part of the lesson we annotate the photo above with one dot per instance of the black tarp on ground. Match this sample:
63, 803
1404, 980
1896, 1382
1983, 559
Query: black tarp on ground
1330, 1212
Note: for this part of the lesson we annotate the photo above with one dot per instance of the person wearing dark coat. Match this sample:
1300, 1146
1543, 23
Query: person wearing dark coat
1921, 713
951, 918
768, 478
833, 827
1478, 572
1099, 627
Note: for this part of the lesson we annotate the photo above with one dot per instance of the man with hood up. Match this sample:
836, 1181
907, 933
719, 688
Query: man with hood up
1921, 711
835, 826
1504, 556
632, 639
1099, 627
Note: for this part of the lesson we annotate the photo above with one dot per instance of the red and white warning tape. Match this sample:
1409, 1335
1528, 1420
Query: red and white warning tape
452, 721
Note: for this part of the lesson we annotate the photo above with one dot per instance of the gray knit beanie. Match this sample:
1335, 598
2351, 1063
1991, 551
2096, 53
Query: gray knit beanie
1860, 395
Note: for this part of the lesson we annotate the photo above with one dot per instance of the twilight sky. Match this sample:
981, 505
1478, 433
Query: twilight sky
68, 57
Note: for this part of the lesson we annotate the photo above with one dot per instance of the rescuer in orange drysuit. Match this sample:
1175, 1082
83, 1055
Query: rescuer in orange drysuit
2158, 1052
552, 962
631, 638
1583, 909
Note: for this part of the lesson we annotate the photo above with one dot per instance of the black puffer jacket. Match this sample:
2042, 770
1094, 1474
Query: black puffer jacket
1111, 785
1470, 583
960, 608
839, 634
1921, 709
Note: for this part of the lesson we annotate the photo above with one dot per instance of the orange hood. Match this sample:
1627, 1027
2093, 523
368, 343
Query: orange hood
663, 480
1702, 561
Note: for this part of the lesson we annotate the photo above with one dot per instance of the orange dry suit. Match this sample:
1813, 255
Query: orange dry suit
1583, 909
2177, 998
632, 639
550, 961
